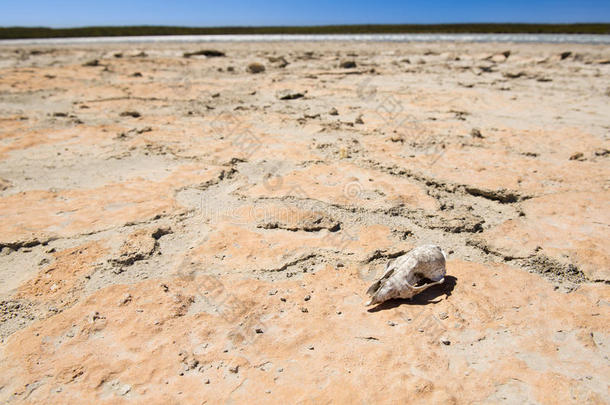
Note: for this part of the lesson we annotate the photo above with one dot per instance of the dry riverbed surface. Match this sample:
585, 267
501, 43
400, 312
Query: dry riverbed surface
198, 223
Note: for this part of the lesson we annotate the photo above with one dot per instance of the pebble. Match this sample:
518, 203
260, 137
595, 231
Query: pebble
307, 297
476, 133
445, 341
303, 309
255, 68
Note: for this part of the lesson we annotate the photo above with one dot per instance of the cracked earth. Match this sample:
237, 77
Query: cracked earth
175, 228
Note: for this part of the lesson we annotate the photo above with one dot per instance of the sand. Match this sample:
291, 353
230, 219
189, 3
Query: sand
181, 230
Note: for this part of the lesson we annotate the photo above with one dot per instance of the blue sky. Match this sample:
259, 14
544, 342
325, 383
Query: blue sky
70, 13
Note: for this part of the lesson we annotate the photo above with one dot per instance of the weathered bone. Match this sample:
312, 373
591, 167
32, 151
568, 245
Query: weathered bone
402, 275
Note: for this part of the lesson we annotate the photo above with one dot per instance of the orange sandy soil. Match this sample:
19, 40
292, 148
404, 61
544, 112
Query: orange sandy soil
181, 230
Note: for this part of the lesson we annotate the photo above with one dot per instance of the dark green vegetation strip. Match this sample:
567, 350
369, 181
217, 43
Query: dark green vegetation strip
43, 32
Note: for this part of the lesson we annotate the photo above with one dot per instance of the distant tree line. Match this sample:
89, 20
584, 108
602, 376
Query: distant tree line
113, 31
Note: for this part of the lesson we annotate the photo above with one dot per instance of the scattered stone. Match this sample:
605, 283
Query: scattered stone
136, 74
445, 341
161, 231
137, 246
259, 330
283, 299
513, 75
565, 55
255, 68
307, 298
118, 55
125, 300
391, 323
304, 310
289, 95
443, 315
272, 292
359, 120
92, 63
348, 64
476, 133
133, 114
333, 111
208, 53
281, 61
578, 156
234, 370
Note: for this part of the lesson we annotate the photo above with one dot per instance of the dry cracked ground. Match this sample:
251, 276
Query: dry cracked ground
179, 226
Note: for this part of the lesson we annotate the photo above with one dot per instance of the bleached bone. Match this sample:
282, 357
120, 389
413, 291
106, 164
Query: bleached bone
402, 275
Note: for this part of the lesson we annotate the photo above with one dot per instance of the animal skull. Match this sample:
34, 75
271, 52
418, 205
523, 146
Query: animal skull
402, 275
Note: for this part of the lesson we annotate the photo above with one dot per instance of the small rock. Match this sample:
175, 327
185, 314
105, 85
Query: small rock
92, 63
348, 64
207, 381
255, 68
359, 120
304, 310
476, 133
289, 95
272, 292
565, 55
577, 156
126, 299
445, 341
391, 323
133, 114
208, 53
310, 347
234, 370
307, 298
259, 330
339, 312
283, 299
443, 315
333, 111
281, 61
